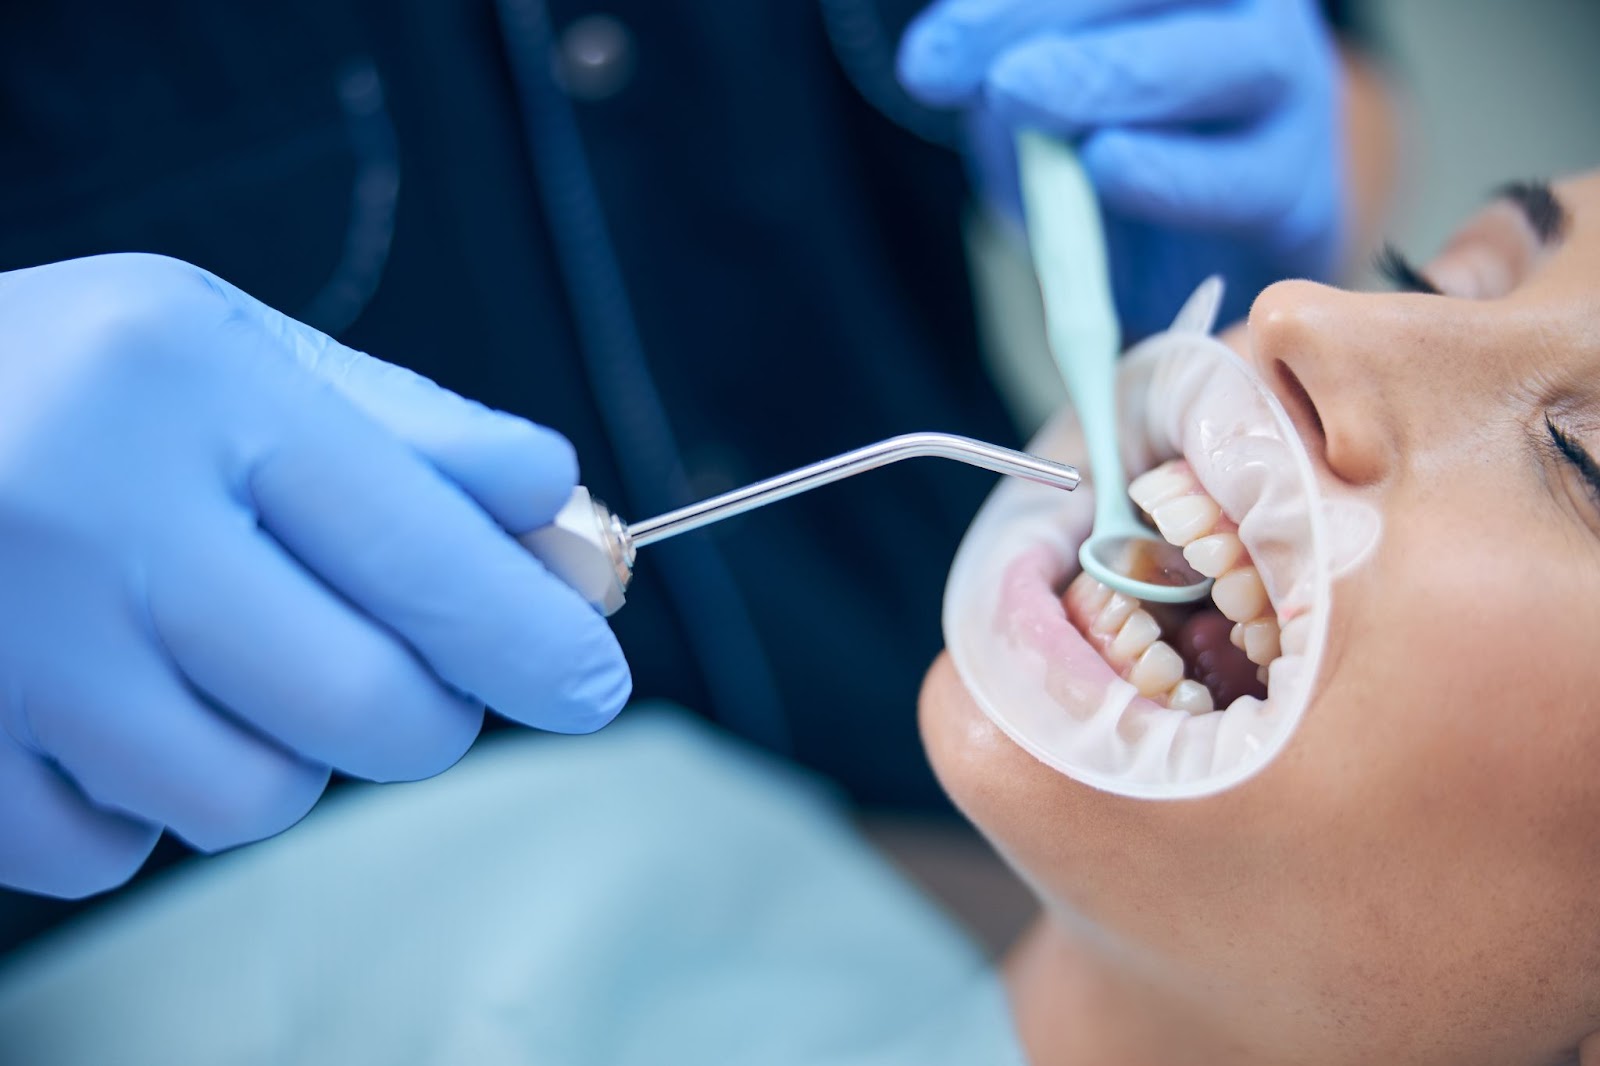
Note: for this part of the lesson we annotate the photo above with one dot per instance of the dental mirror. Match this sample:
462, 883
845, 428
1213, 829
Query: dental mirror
1069, 258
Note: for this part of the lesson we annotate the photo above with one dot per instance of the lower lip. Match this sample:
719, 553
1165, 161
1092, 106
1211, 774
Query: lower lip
1030, 614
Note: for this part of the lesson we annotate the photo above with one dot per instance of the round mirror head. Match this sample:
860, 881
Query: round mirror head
1144, 567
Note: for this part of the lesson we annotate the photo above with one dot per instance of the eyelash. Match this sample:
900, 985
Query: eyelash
1399, 271
1575, 454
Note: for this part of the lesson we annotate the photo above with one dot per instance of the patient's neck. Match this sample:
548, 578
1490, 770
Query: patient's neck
1073, 1008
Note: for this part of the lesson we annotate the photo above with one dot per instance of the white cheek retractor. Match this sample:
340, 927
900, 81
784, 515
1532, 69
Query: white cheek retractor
1180, 393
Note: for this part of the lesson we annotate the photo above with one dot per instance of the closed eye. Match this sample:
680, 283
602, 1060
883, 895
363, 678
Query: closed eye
1577, 456
1399, 272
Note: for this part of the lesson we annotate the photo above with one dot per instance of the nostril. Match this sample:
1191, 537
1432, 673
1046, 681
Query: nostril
1297, 401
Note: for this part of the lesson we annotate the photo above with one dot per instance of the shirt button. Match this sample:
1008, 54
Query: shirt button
594, 59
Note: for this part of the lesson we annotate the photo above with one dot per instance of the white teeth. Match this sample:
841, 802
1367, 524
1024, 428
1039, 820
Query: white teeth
1114, 613
1092, 595
1157, 670
1214, 555
1137, 633
1186, 518
1190, 696
1167, 481
1239, 594
1261, 641
1130, 637
1296, 635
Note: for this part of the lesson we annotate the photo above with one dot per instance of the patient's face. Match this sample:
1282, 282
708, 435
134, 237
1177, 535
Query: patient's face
1417, 877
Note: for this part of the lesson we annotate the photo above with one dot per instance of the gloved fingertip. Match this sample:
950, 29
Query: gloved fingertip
1131, 176
520, 472
260, 800
104, 866
1014, 76
586, 690
599, 698
1031, 85
932, 64
551, 454
599, 683
554, 450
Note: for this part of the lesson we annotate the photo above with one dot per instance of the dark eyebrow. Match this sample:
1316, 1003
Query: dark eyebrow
1539, 205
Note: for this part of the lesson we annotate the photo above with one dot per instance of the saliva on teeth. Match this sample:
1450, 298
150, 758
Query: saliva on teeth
1131, 637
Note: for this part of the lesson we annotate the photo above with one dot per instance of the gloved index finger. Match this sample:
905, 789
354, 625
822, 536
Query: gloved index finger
1184, 68
521, 473
384, 529
947, 50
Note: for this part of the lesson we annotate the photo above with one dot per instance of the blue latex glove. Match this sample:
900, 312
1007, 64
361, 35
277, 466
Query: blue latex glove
1210, 129
233, 554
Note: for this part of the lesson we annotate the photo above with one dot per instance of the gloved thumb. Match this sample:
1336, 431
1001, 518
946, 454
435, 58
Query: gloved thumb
519, 472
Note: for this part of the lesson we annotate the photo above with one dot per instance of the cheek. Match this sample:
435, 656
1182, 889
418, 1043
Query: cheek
1444, 778
1467, 666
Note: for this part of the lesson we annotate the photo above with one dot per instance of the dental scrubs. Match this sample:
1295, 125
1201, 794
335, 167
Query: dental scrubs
655, 894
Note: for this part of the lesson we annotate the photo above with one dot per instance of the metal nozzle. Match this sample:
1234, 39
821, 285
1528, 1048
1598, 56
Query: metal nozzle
589, 547
907, 446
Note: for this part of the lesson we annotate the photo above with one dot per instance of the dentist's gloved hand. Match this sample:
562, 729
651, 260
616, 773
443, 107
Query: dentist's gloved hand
233, 554
1210, 128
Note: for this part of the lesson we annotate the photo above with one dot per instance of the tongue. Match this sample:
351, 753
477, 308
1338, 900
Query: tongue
1214, 661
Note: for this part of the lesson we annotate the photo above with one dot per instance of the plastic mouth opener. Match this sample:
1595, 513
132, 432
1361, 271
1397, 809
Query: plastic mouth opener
593, 550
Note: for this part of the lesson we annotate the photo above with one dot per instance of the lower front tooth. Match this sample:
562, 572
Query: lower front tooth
1087, 596
1157, 670
1114, 613
1190, 696
1296, 635
1136, 634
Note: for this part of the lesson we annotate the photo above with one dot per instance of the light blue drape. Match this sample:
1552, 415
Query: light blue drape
653, 894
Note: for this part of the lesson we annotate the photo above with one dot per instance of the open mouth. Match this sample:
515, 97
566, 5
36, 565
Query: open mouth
1149, 699
1189, 657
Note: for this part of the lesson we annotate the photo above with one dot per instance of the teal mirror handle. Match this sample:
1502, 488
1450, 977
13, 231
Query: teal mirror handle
1069, 257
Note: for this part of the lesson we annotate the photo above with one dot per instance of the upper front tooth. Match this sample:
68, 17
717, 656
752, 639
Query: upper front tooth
1186, 518
1213, 555
1165, 482
1157, 670
1136, 634
1239, 594
1261, 641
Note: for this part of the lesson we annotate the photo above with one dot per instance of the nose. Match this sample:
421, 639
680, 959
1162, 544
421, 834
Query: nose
1362, 374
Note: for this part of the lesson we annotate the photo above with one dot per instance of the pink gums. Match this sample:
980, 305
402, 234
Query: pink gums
1030, 615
